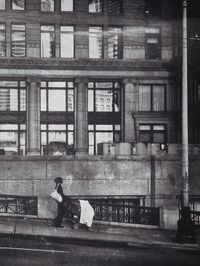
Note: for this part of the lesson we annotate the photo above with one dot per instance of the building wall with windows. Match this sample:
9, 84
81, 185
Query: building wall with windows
77, 73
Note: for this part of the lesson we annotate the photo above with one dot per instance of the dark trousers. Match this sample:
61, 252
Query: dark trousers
60, 214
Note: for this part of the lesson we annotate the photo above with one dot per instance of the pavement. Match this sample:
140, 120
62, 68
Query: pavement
102, 234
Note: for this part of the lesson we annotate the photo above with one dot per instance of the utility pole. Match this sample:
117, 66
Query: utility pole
185, 160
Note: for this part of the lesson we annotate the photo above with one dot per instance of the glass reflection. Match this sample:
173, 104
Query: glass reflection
8, 99
95, 42
47, 41
18, 48
47, 5
18, 5
2, 4
2, 40
8, 143
66, 5
113, 42
57, 100
104, 100
67, 41
95, 6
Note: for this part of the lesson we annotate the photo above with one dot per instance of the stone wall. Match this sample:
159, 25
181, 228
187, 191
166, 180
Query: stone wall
159, 179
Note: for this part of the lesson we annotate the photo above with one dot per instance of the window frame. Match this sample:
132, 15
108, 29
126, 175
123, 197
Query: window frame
149, 7
120, 7
152, 97
102, 40
48, 11
73, 2
120, 41
4, 38
54, 40
25, 41
100, 12
158, 46
67, 33
3, 9
152, 131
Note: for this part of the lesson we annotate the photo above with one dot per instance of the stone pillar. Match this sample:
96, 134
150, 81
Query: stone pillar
33, 116
130, 106
81, 116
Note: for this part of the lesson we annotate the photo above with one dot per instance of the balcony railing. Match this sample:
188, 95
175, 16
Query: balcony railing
18, 205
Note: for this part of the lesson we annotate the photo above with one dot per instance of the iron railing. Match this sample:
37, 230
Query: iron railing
195, 216
22, 205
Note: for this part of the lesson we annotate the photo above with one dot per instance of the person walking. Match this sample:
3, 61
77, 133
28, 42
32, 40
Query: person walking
57, 222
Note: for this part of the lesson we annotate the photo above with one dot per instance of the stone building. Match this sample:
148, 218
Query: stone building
85, 87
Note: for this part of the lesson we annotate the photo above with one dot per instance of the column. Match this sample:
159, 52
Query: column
33, 116
130, 106
81, 116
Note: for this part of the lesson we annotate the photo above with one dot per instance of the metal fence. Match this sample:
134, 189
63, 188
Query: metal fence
195, 216
22, 205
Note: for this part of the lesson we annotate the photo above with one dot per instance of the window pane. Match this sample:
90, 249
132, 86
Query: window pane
114, 6
113, 43
47, 5
95, 42
22, 99
2, 40
43, 100
2, 4
95, 6
66, 5
22, 147
158, 98
145, 136
104, 127
67, 42
104, 99
70, 100
104, 137
90, 100
47, 44
57, 84
8, 127
8, 100
56, 127
57, 143
144, 98
57, 100
18, 41
18, 4
116, 101
9, 143
158, 137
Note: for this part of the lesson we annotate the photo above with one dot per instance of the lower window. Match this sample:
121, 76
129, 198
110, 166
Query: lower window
152, 133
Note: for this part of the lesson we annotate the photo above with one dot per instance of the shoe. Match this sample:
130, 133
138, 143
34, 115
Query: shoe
75, 226
89, 229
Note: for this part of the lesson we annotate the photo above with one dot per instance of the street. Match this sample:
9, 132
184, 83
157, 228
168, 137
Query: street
14, 252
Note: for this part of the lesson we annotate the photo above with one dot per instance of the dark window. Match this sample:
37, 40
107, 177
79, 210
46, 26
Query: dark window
47, 5
18, 43
153, 45
153, 7
18, 4
95, 6
114, 42
114, 6
152, 133
2, 4
2, 40
47, 41
104, 109
152, 98
95, 42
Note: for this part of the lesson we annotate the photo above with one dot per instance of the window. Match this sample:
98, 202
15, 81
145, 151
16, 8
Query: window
47, 5
2, 5
66, 5
18, 4
152, 98
114, 6
47, 41
152, 133
104, 113
153, 7
114, 42
67, 41
18, 44
153, 45
95, 42
13, 117
57, 131
95, 6
2, 40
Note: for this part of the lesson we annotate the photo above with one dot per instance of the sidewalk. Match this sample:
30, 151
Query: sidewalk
101, 234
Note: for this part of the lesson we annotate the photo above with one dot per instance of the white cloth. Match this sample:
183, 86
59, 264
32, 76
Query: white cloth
87, 213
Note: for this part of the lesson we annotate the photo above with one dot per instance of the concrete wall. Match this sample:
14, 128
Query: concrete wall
159, 179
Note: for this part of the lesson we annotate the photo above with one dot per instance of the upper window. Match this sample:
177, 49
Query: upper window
2, 5
149, 133
47, 5
114, 6
47, 41
95, 6
153, 7
114, 42
67, 41
18, 4
95, 42
18, 44
153, 45
152, 98
2, 40
66, 5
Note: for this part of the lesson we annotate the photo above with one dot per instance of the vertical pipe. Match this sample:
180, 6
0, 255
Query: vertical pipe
185, 174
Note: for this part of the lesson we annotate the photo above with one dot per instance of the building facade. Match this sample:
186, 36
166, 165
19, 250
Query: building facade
78, 73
